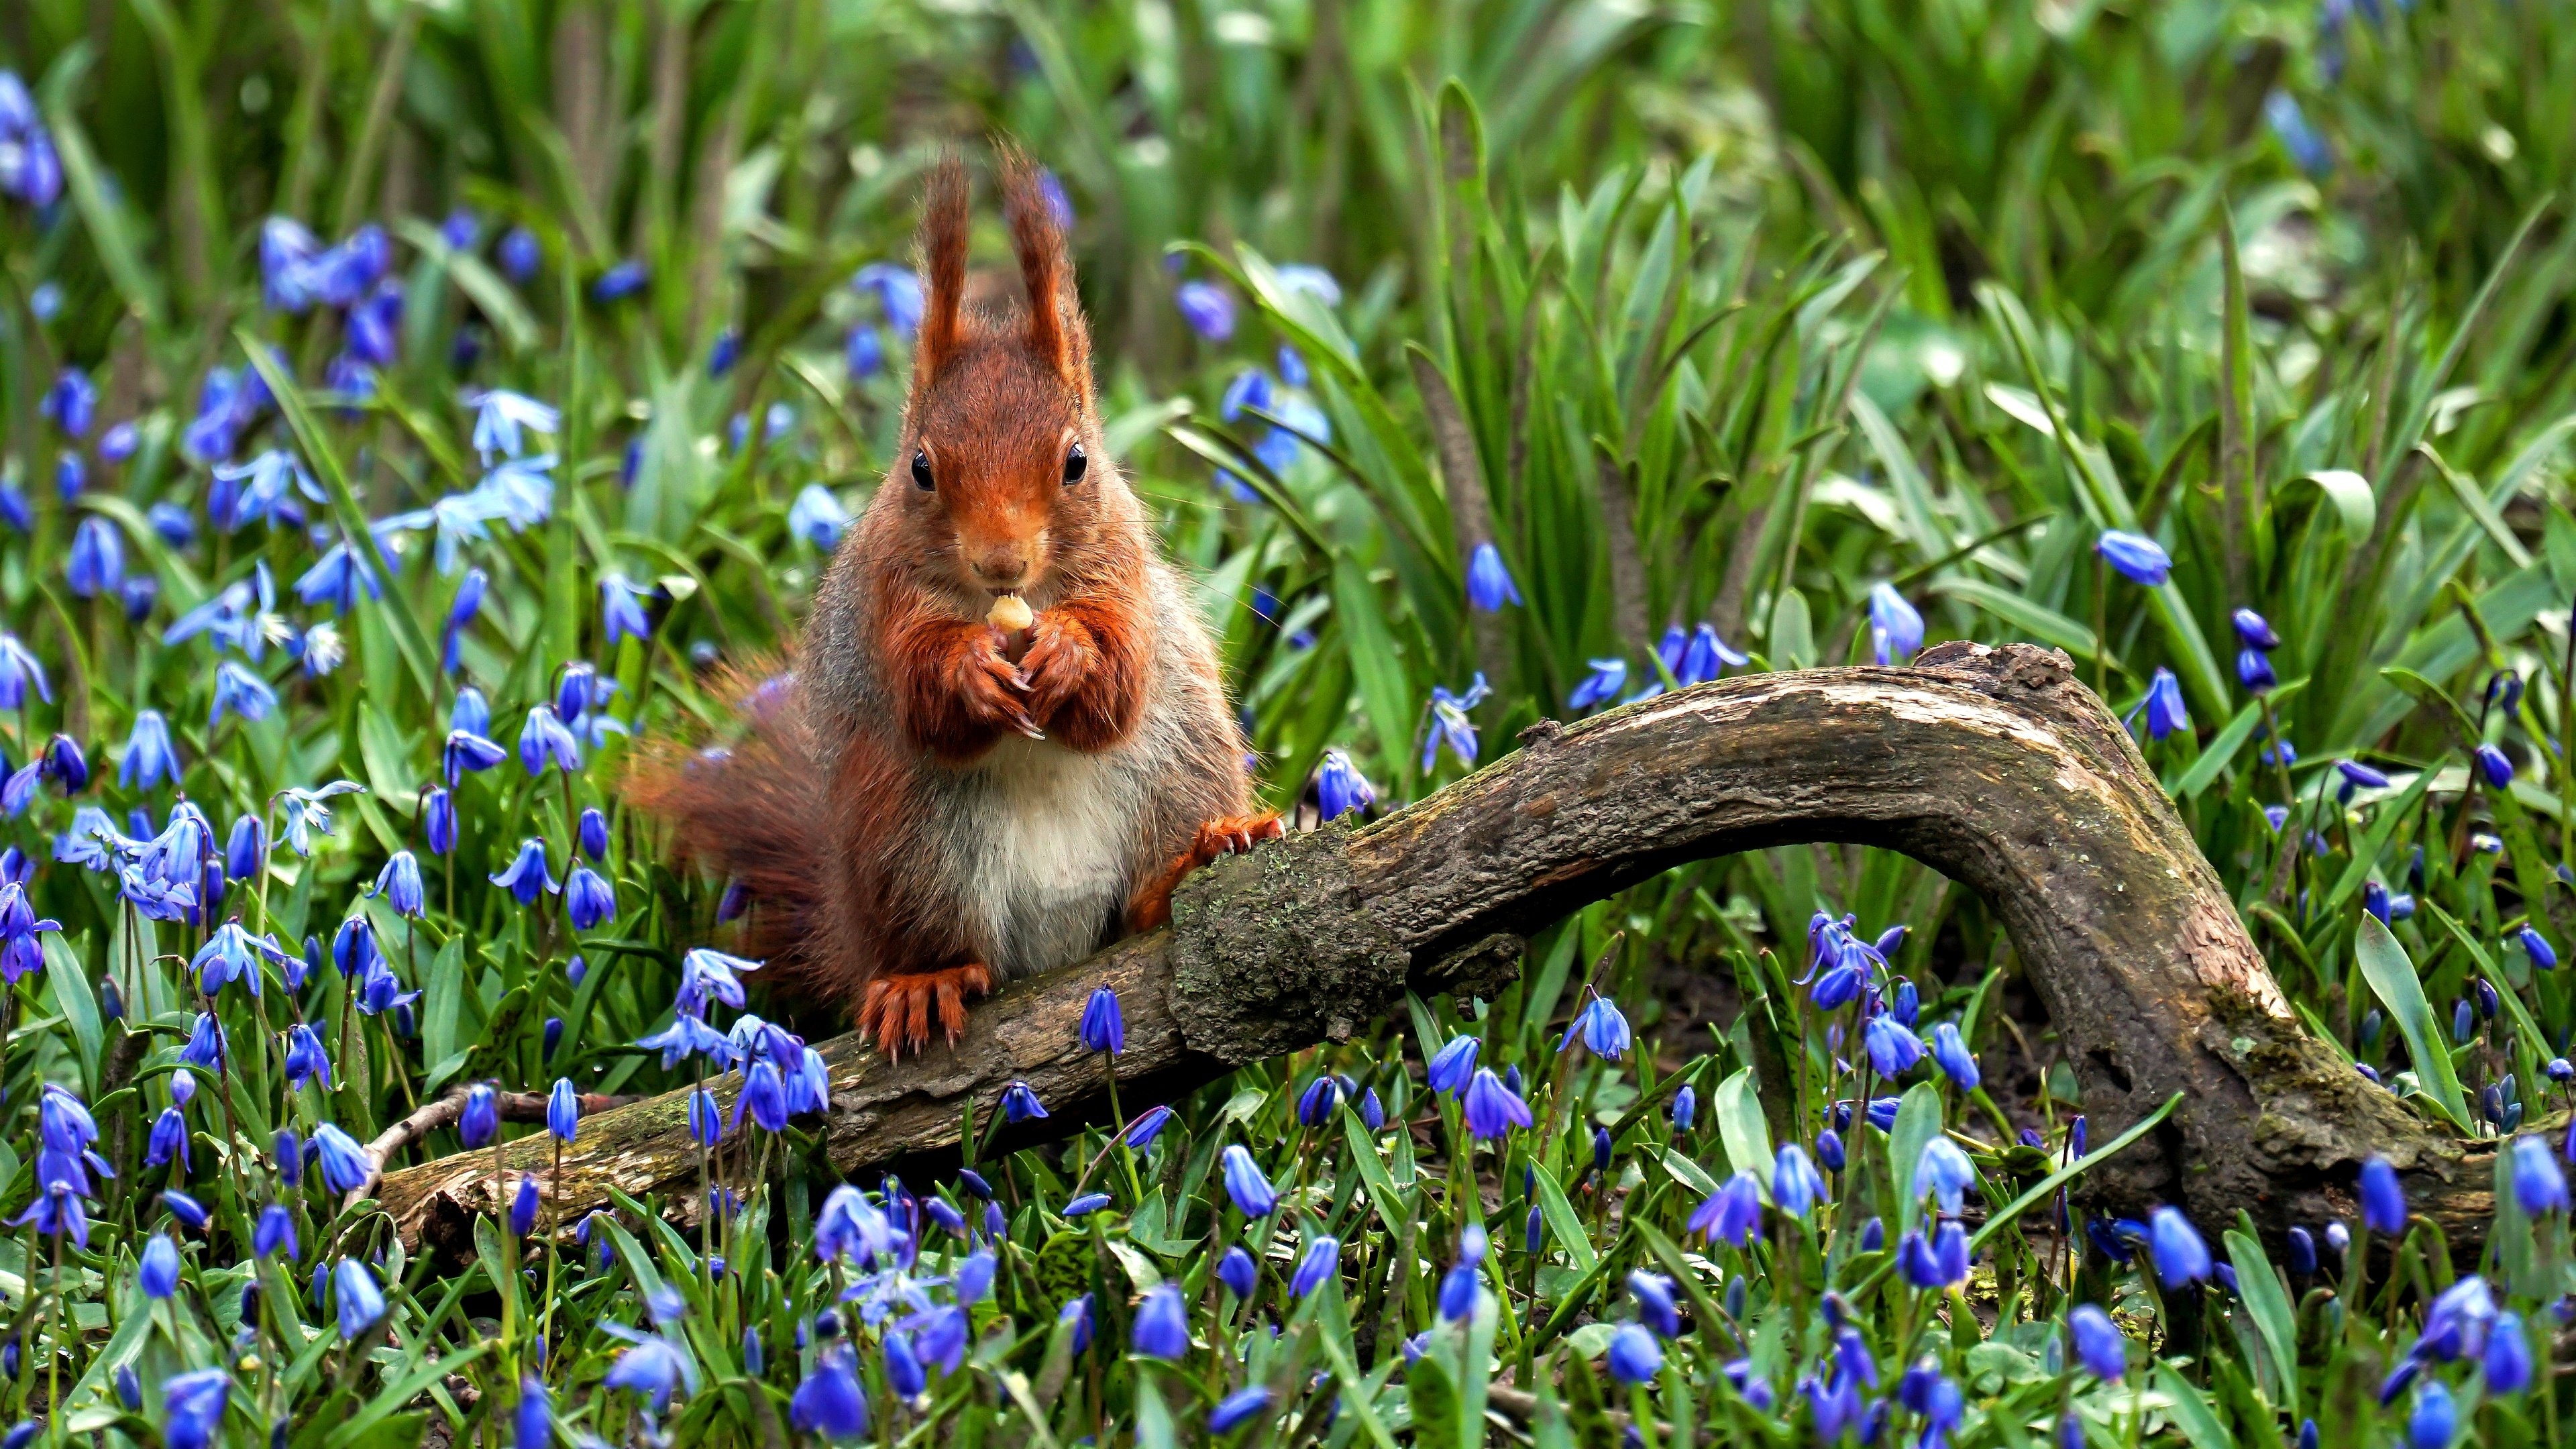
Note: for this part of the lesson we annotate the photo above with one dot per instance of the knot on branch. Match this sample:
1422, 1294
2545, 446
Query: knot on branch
1270, 947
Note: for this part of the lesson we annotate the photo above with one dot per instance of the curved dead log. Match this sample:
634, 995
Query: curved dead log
1993, 766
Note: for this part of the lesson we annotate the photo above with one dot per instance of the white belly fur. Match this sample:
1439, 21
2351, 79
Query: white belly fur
1048, 833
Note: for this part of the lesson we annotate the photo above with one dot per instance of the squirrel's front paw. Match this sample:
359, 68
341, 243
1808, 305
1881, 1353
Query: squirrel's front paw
994, 690
1060, 658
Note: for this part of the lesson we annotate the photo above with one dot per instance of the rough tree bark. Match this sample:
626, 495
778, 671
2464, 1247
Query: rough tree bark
1993, 766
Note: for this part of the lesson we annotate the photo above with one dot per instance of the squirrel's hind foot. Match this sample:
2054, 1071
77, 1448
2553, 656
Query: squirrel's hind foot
898, 1008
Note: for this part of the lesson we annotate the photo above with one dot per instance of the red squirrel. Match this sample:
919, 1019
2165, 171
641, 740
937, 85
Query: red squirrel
932, 804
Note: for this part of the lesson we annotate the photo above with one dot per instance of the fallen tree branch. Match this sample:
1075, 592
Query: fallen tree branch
441, 1112
1993, 766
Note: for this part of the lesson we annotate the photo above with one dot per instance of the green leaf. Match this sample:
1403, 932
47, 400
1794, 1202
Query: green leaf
2191, 1412
2043, 624
1562, 1220
69, 979
2391, 975
1737, 1106
1373, 658
2267, 1299
353, 522
1918, 1121
2348, 496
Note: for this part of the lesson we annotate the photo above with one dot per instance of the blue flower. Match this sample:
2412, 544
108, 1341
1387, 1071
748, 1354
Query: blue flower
1315, 1107
345, 1165
588, 898
185, 1208
2539, 1185
1943, 1171
192, 1407
1454, 1065
707, 974
2099, 1345
501, 419
1020, 1103
1148, 1126
1685, 1107
1895, 629
2383, 1199
2435, 1418
306, 1061
1450, 724
1339, 786
2164, 706
818, 517
863, 352
621, 609
1893, 1048
362, 1304
275, 1233
240, 692
97, 560
1635, 1357
1244, 1183
2537, 947
1238, 1408
2308, 149
480, 1121
764, 1093
1603, 1030
526, 876
1087, 1204
1162, 1328
545, 739
1237, 1272
1706, 657
337, 579
159, 1273
619, 282
1489, 580
169, 1139
1602, 684
1795, 1185
400, 884
2181, 1257
2254, 671
898, 293
19, 669
2137, 558
1951, 1051
1323, 1256
563, 1110
1207, 308
71, 404
519, 254
1732, 1213
1492, 1109
533, 1420
2507, 1365
2254, 631
830, 1402
206, 1044
2357, 775
1104, 1028
2495, 766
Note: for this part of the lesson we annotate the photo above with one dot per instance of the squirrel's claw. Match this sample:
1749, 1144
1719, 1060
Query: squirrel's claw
899, 1008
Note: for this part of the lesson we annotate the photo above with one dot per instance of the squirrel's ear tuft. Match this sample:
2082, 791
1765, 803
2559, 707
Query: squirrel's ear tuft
1056, 334
942, 262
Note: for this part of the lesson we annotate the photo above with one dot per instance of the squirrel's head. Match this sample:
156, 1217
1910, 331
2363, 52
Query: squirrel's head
1004, 486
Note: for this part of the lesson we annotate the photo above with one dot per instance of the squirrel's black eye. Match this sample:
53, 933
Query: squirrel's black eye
921, 470
1075, 464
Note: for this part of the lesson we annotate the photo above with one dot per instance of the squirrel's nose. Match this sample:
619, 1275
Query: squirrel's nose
1002, 568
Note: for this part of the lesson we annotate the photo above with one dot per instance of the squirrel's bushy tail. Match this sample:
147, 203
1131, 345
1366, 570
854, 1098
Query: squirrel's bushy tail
756, 810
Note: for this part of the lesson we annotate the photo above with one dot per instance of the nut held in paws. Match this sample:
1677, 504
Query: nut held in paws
1011, 613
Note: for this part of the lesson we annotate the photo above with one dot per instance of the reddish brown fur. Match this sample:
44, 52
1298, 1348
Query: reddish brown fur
828, 810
